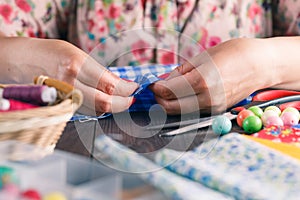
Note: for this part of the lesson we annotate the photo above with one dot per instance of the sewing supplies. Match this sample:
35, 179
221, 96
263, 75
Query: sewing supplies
243, 115
11, 105
271, 116
31, 194
273, 108
33, 133
293, 110
35, 94
232, 113
171, 184
256, 110
252, 124
221, 125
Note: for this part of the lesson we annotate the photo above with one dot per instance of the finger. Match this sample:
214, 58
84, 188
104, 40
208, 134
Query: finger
95, 75
180, 70
102, 102
189, 65
88, 111
184, 105
188, 84
203, 103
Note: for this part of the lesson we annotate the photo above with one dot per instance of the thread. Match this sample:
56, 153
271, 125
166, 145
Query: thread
11, 105
34, 94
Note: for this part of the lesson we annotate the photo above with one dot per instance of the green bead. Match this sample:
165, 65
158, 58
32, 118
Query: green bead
221, 125
252, 124
256, 110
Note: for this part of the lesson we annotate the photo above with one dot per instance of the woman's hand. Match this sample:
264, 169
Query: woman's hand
24, 58
219, 77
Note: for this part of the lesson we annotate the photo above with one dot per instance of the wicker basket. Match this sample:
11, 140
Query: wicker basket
33, 133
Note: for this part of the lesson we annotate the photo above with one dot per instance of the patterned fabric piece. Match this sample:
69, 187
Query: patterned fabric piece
285, 134
144, 75
132, 72
173, 185
238, 167
287, 148
128, 32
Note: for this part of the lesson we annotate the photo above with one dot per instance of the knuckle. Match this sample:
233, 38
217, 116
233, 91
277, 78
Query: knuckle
105, 107
102, 105
166, 93
110, 88
72, 70
167, 106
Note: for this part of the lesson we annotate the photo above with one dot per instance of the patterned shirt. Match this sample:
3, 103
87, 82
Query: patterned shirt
137, 32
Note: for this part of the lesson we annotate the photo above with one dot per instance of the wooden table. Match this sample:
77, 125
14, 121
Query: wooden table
130, 130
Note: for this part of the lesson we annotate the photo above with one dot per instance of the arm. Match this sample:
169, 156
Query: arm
225, 74
24, 58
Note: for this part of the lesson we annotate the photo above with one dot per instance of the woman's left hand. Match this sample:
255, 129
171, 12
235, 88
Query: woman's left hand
217, 78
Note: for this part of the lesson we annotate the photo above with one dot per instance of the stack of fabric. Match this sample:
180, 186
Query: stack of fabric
230, 167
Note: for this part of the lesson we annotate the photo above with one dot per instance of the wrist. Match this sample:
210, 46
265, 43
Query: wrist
264, 58
285, 51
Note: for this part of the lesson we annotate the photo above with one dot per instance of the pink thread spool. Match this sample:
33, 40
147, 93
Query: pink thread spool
11, 105
34, 94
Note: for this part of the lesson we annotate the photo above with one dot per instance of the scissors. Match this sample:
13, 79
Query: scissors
262, 99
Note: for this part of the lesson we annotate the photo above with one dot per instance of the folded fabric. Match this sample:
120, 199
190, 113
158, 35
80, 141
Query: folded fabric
173, 185
239, 167
286, 148
285, 139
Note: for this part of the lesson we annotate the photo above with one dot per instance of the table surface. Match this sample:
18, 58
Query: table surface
130, 130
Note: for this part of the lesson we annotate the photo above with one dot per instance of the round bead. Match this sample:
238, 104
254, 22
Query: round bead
11, 189
273, 120
252, 124
243, 115
274, 108
31, 194
267, 114
54, 196
293, 110
289, 118
221, 125
256, 110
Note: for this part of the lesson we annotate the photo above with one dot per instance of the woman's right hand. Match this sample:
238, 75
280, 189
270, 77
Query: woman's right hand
24, 58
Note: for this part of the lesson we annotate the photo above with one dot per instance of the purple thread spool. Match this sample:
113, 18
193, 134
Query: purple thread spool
35, 94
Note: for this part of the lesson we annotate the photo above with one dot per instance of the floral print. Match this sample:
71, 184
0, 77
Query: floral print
137, 32
237, 166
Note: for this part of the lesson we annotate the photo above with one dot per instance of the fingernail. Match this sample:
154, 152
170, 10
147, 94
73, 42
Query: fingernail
133, 100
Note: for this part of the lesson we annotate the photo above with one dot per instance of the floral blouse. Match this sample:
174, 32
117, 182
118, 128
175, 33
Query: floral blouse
137, 32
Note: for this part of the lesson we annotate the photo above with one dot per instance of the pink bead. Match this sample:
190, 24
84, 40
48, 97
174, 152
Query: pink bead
289, 118
11, 191
273, 120
31, 194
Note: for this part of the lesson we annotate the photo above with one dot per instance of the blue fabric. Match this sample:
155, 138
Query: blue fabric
144, 76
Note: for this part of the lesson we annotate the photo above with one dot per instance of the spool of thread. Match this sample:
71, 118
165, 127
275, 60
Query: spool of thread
11, 105
34, 94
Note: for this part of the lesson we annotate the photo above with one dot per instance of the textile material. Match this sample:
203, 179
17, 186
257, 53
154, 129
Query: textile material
173, 185
128, 32
286, 148
144, 75
239, 167
280, 134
